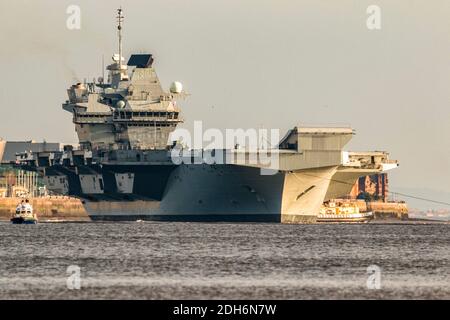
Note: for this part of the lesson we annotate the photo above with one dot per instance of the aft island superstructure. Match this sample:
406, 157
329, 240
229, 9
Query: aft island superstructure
125, 168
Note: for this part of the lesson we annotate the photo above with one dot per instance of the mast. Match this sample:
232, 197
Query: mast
120, 18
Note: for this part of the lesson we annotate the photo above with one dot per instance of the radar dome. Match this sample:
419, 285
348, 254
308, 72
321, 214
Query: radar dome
176, 87
120, 104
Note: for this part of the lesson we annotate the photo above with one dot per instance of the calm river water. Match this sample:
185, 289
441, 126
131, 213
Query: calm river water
223, 261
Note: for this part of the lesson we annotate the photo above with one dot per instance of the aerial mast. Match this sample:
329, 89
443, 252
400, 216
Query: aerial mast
120, 18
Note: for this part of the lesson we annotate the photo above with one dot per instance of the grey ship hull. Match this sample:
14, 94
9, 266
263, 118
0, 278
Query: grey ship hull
153, 187
164, 191
196, 192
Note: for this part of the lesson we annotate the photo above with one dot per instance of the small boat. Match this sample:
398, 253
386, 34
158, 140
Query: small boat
332, 211
24, 214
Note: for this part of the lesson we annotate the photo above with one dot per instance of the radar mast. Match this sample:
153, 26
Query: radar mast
120, 19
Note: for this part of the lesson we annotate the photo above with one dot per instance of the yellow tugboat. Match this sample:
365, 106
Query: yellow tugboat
333, 211
24, 214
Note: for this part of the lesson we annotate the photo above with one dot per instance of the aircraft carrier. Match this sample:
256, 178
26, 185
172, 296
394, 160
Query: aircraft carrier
125, 168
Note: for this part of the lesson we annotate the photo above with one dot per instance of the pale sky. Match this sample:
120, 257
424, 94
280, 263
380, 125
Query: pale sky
250, 64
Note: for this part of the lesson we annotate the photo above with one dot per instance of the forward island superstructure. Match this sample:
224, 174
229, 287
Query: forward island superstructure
125, 169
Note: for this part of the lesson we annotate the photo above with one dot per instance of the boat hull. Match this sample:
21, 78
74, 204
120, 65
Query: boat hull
214, 193
197, 193
20, 220
347, 218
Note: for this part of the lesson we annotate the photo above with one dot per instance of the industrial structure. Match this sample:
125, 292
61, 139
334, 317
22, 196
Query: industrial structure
371, 188
16, 182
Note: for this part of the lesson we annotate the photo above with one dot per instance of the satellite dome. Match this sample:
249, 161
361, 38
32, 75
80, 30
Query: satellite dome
176, 87
120, 104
